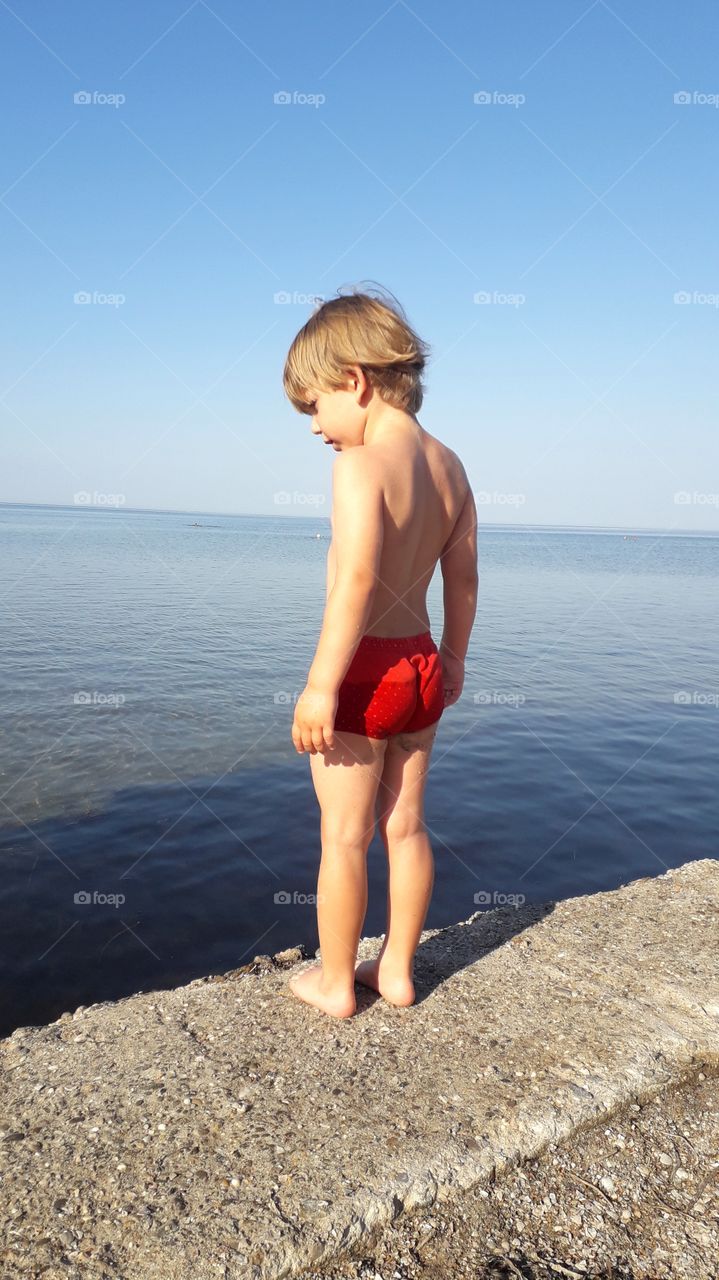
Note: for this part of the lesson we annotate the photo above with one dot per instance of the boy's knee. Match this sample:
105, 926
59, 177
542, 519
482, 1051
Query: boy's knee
348, 836
400, 825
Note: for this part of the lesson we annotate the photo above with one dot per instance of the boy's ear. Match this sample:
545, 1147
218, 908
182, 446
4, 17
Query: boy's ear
359, 378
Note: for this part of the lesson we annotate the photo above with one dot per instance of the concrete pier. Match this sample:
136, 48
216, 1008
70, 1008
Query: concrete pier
226, 1130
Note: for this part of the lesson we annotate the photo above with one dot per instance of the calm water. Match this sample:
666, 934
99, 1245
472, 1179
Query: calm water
148, 674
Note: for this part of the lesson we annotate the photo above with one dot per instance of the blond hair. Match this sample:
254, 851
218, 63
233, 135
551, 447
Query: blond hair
357, 328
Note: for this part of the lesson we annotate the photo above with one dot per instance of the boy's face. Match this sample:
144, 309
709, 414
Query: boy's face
339, 416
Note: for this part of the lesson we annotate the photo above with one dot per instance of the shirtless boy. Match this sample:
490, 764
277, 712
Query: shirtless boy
378, 683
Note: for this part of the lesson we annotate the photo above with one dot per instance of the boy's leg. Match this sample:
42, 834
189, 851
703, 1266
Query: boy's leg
411, 864
346, 780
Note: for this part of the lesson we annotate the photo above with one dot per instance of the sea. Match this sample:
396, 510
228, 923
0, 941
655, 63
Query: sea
156, 822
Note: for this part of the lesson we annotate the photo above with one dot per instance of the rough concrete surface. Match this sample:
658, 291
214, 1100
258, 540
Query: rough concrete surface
226, 1129
634, 1197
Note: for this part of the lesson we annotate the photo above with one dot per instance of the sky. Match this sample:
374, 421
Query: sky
536, 184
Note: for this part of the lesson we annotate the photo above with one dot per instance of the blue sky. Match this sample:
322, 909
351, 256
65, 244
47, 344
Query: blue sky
578, 200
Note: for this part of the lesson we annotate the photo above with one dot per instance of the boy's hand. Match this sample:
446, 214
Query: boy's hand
313, 725
452, 677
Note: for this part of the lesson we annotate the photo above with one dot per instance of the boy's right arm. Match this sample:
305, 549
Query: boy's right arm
331, 561
460, 574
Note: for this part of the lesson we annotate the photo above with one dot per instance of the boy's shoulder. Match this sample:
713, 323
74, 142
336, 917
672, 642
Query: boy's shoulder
367, 468
359, 456
356, 475
357, 488
357, 466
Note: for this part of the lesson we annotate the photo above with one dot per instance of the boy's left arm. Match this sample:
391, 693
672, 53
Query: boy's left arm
358, 530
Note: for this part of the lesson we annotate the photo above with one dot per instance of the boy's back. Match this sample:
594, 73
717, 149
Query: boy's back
425, 489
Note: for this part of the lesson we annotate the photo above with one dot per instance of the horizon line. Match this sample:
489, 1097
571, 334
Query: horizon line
263, 515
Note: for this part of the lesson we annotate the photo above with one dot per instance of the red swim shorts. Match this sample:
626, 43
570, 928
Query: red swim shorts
393, 685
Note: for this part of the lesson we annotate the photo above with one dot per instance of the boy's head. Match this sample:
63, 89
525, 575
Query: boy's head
355, 354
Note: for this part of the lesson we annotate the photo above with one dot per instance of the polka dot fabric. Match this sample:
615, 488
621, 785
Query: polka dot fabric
393, 685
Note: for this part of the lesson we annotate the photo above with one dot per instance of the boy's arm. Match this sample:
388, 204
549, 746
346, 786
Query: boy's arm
458, 560
358, 523
331, 561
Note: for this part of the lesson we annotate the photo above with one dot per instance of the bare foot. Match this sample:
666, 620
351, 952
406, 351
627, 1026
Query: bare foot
396, 988
307, 986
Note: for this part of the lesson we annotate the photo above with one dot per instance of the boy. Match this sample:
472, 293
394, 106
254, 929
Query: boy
378, 683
